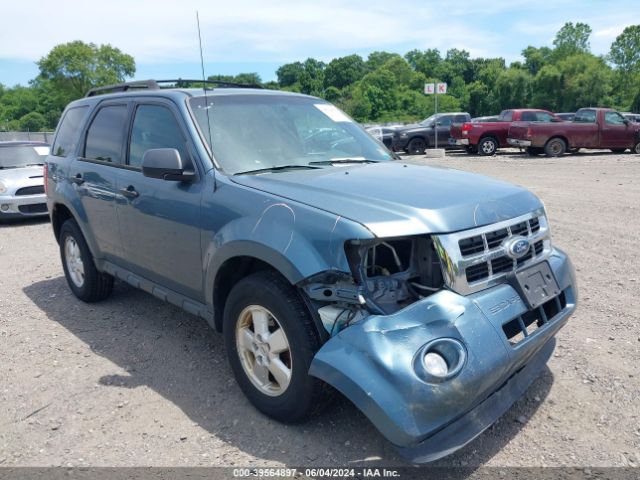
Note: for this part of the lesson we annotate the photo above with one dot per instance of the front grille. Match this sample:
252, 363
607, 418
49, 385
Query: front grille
526, 324
35, 208
478, 258
35, 190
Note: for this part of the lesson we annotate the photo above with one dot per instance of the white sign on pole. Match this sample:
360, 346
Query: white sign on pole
429, 88
442, 88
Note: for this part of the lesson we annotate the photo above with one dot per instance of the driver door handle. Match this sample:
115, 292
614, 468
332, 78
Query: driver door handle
129, 192
77, 179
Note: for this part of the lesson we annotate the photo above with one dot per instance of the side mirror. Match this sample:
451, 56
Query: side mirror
165, 164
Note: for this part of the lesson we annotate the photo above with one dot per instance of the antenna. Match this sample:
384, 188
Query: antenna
204, 84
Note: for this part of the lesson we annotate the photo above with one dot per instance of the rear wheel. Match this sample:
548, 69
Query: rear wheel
555, 147
470, 150
533, 151
417, 146
271, 340
84, 279
636, 148
487, 146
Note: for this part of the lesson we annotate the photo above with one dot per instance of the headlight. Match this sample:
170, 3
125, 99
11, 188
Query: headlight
3, 188
404, 135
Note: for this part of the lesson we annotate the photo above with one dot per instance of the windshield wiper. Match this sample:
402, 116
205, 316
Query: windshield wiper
278, 168
342, 160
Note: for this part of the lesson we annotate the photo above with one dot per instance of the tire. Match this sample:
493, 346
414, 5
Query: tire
266, 295
417, 146
533, 151
487, 146
84, 279
555, 147
471, 150
618, 150
636, 148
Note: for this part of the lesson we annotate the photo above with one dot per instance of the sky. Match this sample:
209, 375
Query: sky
259, 36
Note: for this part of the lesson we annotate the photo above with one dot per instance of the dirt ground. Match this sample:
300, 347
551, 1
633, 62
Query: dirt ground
133, 381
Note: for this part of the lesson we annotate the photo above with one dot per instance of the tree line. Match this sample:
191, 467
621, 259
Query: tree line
383, 87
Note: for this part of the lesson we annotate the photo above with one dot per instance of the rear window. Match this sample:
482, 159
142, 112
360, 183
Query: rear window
528, 117
106, 135
68, 132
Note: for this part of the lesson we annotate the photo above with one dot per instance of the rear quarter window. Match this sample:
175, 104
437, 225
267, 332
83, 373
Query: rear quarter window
69, 131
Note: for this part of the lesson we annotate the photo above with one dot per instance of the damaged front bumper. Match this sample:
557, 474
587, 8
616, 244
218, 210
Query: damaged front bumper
376, 363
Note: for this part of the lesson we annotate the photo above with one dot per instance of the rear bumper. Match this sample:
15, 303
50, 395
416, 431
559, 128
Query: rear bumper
23, 206
458, 141
373, 363
516, 142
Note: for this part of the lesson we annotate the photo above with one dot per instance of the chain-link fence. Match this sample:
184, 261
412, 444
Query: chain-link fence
26, 136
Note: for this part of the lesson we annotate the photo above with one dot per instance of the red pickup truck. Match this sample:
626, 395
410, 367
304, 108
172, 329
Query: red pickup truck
590, 128
486, 137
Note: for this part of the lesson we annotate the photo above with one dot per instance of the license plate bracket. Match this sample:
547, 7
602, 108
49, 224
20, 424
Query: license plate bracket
536, 284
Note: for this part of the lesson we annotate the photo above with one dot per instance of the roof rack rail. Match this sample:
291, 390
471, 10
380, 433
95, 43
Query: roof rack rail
155, 85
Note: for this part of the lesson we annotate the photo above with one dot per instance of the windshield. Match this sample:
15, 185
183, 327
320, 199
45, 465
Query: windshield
16, 156
255, 132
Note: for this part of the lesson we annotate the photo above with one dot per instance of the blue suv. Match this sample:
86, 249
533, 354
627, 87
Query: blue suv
429, 297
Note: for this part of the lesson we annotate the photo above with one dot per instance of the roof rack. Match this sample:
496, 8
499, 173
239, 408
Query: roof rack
155, 85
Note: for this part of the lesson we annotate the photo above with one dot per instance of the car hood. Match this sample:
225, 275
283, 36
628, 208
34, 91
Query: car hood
394, 199
29, 175
413, 126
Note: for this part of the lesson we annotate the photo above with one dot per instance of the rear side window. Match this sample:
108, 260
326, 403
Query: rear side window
154, 126
460, 118
506, 116
69, 132
528, 117
585, 116
444, 121
106, 134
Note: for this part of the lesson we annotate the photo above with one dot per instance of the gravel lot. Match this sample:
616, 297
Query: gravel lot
133, 381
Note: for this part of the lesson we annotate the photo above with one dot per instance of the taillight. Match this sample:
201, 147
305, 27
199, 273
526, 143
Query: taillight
466, 128
45, 170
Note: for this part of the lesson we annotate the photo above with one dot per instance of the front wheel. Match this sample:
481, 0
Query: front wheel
84, 279
487, 146
636, 148
270, 339
555, 147
417, 146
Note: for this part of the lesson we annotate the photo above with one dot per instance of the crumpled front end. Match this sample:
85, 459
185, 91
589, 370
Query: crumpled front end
493, 344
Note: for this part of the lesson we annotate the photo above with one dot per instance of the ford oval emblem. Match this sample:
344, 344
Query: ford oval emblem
518, 247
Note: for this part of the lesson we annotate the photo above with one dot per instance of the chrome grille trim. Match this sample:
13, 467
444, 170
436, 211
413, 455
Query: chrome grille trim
454, 264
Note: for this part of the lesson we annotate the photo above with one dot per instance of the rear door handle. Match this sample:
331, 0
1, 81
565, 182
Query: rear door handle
130, 192
78, 180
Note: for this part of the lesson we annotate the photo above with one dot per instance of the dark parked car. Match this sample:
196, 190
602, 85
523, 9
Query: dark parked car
384, 134
634, 117
429, 297
415, 139
21, 184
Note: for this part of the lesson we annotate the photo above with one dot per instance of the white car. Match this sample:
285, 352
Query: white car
21, 179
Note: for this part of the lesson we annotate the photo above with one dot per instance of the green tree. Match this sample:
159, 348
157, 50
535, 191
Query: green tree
625, 50
586, 82
513, 88
572, 39
75, 67
536, 58
32, 122
344, 71
426, 62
